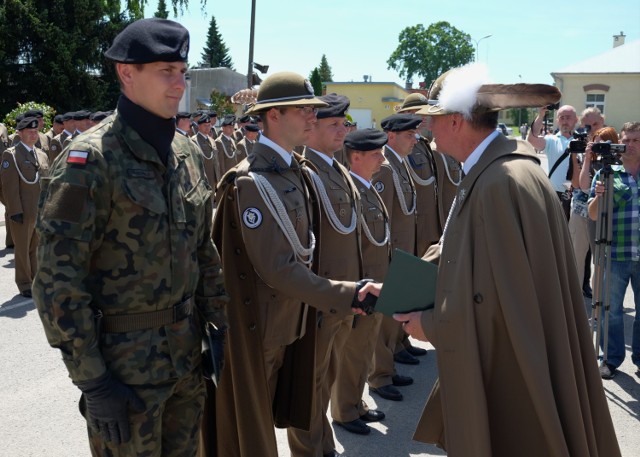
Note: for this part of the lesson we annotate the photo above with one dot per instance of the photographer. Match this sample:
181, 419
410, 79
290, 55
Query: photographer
554, 146
625, 247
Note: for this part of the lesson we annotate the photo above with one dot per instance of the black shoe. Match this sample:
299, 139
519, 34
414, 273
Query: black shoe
388, 392
405, 358
373, 415
26, 293
399, 380
9, 246
416, 351
333, 453
356, 426
607, 371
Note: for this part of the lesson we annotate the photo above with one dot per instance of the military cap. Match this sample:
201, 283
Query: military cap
150, 40
28, 123
183, 115
365, 140
81, 115
212, 114
251, 127
204, 119
400, 122
68, 116
19, 117
228, 120
338, 106
284, 89
58, 119
244, 119
98, 116
413, 101
34, 113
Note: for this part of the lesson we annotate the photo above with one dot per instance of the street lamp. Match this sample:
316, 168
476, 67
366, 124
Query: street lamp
478, 44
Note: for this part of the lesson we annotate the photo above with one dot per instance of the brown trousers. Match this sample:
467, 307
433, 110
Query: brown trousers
25, 241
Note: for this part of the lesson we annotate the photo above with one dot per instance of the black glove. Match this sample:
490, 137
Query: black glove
368, 305
107, 402
19, 218
213, 351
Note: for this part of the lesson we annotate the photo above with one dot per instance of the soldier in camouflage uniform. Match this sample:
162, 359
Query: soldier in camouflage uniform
127, 269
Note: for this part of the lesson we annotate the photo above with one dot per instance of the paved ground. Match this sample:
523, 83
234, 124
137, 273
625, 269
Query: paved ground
38, 403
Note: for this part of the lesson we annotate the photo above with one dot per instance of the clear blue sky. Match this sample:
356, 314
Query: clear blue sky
531, 39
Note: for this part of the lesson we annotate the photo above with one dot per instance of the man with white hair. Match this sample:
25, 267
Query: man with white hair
518, 373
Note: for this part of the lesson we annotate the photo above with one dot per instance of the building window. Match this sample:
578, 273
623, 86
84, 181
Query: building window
596, 100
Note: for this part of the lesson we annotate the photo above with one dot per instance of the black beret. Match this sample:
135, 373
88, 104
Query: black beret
81, 115
98, 116
228, 120
28, 123
400, 122
58, 119
68, 116
338, 106
251, 127
213, 114
150, 40
244, 119
34, 113
204, 119
19, 117
365, 140
183, 115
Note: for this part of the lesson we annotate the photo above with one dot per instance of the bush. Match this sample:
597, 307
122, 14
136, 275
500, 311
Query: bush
10, 118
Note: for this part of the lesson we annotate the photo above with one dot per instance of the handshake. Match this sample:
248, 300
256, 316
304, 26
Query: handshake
368, 303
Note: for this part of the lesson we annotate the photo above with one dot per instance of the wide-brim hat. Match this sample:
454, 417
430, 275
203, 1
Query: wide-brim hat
285, 89
413, 102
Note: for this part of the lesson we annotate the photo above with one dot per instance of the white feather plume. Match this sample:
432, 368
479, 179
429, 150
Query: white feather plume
460, 88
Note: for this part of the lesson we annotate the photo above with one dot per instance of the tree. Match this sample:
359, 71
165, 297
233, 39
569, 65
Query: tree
220, 103
325, 70
316, 81
162, 10
215, 53
430, 52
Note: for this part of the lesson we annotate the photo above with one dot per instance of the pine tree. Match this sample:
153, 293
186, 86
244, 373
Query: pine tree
162, 11
215, 53
316, 81
325, 70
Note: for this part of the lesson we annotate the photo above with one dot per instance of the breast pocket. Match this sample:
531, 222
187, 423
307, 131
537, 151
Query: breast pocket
146, 195
340, 203
296, 209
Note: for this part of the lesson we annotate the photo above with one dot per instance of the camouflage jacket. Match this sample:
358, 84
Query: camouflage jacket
122, 233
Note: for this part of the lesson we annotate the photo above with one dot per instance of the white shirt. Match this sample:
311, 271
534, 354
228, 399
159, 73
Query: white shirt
286, 156
361, 179
477, 152
324, 157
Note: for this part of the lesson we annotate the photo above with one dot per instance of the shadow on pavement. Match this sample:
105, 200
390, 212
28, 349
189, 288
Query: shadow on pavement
17, 307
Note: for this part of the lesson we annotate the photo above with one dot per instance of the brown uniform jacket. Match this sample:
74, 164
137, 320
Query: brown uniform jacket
518, 372
226, 153
403, 227
210, 158
245, 147
270, 292
21, 193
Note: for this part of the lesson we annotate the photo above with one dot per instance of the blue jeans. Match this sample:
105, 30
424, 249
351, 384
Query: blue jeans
621, 274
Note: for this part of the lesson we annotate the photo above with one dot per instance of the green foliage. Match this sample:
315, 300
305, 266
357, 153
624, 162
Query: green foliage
221, 104
10, 118
215, 53
430, 52
316, 81
162, 10
325, 70
521, 116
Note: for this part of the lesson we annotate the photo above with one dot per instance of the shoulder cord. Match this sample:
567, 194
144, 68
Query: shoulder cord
418, 180
212, 148
25, 180
328, 207
233, 154
277, 209
367, 232
403, 203
446, 169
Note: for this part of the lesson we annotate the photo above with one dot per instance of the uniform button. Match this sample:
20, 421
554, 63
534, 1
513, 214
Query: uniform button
252, 327
247, 301
342, 212
478, 298
333, 311
234, 225
238, 251
273, 296
243, 276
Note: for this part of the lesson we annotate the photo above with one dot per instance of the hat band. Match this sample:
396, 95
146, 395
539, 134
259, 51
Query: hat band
433, 102
284, 99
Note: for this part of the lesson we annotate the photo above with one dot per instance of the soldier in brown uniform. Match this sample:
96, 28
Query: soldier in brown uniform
245, 146
395, 186
348, 409
183, 123
56, 129
263, 228
209, 153
61, 140
22, 167
226, 145
238, 133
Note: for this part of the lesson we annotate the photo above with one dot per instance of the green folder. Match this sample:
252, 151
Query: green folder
410, 285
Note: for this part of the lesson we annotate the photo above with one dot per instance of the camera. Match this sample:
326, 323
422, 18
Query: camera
606, 147
554, 106
579, 143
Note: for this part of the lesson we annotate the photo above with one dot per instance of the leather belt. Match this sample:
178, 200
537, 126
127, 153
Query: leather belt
123, 323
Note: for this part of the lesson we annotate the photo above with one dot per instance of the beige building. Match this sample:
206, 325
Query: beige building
370, 101
609, 81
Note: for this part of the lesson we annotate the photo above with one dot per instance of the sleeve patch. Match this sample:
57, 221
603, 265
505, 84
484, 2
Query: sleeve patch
78, 157
252, 217
5, 164
66, 202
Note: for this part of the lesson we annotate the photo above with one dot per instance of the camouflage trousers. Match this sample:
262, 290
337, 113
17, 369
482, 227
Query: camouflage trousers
169, 428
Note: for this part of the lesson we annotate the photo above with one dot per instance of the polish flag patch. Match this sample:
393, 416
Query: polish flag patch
79, 157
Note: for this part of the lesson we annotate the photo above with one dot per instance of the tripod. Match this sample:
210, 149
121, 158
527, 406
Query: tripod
602, 260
